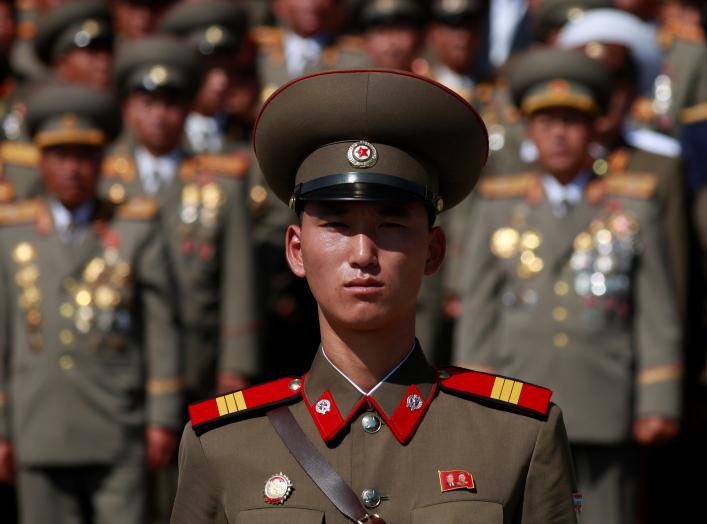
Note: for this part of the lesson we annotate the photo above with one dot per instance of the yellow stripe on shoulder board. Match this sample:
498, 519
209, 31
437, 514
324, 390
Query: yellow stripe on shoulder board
506, 390
632, 185
230, 403
19, 153
509, 186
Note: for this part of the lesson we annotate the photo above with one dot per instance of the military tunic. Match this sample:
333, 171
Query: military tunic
417, 430
206, 225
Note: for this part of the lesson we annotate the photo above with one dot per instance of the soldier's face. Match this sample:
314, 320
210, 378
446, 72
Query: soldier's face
365, 261
562, 137
70, 172
393, 47
641, 8
305, 17
455, 46
90, 66
156, 119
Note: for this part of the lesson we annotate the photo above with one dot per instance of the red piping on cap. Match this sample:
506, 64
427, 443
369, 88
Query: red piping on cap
390, 71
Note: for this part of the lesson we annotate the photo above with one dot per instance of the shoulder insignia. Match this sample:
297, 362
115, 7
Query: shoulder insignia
19, 154
139, 208
267, 36
502, 391
24, 212
351, 42
484, 92
219, 410
233, 165
507, 186
632, 185
120, 166
330, 56
188, 169
694, 114
7, 191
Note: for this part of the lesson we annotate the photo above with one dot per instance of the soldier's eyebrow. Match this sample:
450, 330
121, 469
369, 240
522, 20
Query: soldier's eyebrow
395, 211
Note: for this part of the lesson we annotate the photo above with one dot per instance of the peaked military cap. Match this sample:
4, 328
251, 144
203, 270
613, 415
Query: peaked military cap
370, 135
457, 12
213, 25
73, 25
156, 63
390, 12
553, 14
69, 114
550, 77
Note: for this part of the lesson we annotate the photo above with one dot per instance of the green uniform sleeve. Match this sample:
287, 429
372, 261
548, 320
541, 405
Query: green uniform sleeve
657, 327
160, 339
550, 483
196, 501
239, 312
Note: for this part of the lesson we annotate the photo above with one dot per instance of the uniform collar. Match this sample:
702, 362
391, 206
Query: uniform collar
401, 399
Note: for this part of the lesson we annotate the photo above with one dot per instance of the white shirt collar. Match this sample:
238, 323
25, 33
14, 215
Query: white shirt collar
301, 52
386, 377
452, 80
570, 193
504, 17
204, 132
165, 166
63, 218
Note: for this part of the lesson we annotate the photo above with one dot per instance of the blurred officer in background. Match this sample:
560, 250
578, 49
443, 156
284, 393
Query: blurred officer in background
570, 286
138, 18
90, 362
392, 33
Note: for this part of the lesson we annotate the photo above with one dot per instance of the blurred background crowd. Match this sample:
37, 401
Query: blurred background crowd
172, 89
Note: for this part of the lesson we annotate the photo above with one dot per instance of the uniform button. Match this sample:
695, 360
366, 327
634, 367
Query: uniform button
295, 385
371, 498
66, 363
371, 423
442, 374
66, 336
560, 314
561, 340
561, 288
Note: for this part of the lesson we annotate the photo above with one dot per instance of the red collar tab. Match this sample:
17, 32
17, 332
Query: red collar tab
502, 391
326, 415
213, 412
409, 413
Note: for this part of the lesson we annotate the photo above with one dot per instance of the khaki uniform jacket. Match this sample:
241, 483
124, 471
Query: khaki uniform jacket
583, 303
19, 176
206, 226
88, 348
520, 463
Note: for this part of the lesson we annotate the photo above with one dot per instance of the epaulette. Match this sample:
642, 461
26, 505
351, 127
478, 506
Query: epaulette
501, 391
351, 42
7, 191
267, 36
138, 208
24, 212
119, 165
19, 154
233, 165
507, 186
216, 411
632, 185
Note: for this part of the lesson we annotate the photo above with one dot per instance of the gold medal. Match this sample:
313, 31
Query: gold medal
583, 242
94, 269
67, 310
34, 318
31, 296
624, 224
27, 276
116, 194
83, 296
190, 195
530, 240
211, 195
121, 273
23, 253
105, 297
504, 242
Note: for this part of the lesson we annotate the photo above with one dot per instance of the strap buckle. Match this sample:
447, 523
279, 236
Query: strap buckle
369, 518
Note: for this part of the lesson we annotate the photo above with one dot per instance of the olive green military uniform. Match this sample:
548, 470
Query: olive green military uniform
577, 294
398, 445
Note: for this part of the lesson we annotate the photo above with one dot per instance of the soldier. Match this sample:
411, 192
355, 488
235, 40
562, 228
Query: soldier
365, 238
202, 201
89, 363
552, 15
217, 30
136, 19
568, 283
303, 42
392, 32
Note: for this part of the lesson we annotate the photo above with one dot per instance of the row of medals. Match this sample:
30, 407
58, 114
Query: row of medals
198, 213
601, 257
98, 299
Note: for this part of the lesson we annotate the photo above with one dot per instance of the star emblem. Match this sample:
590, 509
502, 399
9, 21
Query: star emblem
362, 154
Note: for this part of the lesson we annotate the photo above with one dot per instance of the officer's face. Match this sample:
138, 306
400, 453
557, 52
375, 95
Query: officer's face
156, 119
455, 46
365, 261
70, 172
90, 66
562, 137
393, 47
305, 17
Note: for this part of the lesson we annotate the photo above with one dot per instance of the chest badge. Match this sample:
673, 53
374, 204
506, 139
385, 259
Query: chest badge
451, 480
277, 488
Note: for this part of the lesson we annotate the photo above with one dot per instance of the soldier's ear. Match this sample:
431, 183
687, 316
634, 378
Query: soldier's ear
436, 250
293, 250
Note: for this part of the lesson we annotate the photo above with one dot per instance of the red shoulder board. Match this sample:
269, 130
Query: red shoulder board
502, 391
215, 411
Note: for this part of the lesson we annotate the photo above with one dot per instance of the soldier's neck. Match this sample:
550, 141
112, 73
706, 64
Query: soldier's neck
366, 357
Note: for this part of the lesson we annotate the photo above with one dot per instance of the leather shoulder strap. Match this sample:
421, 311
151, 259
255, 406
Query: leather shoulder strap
318, 469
